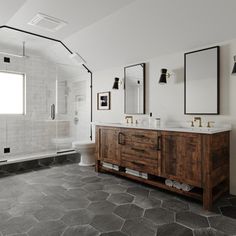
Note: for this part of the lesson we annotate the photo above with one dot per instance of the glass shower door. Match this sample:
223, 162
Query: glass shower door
73, 106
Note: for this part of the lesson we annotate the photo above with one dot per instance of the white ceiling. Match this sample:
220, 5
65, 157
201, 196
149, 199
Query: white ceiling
109, 33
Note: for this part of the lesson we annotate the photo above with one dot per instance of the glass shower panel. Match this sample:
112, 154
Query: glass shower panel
13, 126
42, 92
33, 133
73, 106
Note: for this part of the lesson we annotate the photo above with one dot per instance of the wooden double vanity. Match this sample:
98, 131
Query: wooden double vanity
198, 158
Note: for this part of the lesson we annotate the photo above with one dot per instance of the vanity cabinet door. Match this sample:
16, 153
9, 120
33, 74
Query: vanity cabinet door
108, 145
181, 157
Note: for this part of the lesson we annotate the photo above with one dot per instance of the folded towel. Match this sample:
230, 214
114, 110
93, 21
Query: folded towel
169, 182
177, 184
186, 187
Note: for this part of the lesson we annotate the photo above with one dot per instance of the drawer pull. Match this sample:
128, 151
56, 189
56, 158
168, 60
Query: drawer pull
121, 138
138, 150
158, 143
139, 136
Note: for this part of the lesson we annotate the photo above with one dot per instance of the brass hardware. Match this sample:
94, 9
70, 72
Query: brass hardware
158, 143
209, 124
139, 136
129, 118
192, 123
199, 119
138, 150
121, 138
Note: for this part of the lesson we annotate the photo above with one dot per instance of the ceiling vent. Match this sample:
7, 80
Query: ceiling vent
47, 22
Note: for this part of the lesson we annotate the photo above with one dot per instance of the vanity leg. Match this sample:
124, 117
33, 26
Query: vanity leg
207, 198
97, 164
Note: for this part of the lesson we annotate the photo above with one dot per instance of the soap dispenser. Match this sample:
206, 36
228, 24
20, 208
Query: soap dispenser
150, 119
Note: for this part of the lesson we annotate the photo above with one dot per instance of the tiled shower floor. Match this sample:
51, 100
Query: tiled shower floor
70, 200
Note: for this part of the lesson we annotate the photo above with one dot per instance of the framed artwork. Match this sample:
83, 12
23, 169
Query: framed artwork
104, 101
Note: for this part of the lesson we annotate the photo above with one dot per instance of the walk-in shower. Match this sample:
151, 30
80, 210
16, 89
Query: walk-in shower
56, 98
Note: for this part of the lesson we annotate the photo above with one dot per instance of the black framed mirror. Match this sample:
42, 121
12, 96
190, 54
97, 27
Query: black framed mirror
201, 82
134, 78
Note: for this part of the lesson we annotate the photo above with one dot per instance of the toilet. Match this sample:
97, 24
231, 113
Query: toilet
87, 152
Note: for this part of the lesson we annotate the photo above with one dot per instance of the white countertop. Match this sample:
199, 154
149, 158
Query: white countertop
201, 130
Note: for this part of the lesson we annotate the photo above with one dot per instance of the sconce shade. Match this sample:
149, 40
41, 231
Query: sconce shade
116, 83
163, 76
234, 68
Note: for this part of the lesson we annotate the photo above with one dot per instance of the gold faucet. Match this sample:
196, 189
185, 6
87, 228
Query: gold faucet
129, 118
199, 119
210, 124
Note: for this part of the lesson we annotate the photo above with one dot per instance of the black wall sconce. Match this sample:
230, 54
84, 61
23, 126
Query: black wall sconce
117, 83
164, 76
234, 68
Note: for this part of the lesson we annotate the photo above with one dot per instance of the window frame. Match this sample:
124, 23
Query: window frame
24, 93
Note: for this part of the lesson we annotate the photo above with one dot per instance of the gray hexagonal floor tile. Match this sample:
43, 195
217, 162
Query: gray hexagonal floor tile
78, 192
173, 229
191, 220
161, 195
120, 198
224, 224
16, 225
107, 223
139, 227
114, 188
93, 186
4, 216
72, 185
175, 205
20, 209
91, 179
146, 203
103, 207
97, 196
78, 217
110, 180
114, 233
5, 205
48, 213
47, 228
159, 215
208, 232
84, 230
75, 203
138, 191
128, 211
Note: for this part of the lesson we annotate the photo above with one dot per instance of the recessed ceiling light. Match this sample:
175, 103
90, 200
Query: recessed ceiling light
46, 22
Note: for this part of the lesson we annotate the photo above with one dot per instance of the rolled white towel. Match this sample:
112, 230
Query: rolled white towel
177, 184
169, 182
186, 187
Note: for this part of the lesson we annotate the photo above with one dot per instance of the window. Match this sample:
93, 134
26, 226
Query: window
12, 93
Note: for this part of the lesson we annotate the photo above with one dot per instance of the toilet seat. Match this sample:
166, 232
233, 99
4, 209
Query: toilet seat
83, 144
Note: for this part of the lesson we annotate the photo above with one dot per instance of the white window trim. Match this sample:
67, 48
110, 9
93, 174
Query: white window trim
24, 94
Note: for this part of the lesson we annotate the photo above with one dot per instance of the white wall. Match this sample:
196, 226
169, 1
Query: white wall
167, 101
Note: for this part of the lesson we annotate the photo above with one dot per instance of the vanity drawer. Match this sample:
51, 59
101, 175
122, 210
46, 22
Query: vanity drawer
150, 138
141, 166
141, 152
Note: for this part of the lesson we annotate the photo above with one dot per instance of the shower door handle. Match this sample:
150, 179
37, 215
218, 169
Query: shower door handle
53, 112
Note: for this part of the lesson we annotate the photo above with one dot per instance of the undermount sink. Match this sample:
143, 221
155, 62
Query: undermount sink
197, 129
